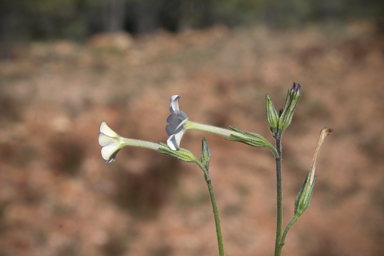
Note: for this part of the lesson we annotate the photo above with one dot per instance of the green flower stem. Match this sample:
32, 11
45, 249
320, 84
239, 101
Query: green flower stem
279, 190
276, 154
287, 228
214, 206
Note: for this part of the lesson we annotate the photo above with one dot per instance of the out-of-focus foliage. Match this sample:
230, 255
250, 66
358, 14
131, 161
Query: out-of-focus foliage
43, 19
77, 19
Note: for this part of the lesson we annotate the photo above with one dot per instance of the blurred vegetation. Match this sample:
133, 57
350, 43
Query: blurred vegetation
24, 20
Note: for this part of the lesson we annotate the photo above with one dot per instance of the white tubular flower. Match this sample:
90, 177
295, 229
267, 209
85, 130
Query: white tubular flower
113, 142
110, 141
176, 123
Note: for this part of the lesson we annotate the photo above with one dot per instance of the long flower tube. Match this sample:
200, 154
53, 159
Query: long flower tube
178, 124
112, 142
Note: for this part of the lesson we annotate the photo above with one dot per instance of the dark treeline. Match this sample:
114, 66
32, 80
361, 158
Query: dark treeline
77, 19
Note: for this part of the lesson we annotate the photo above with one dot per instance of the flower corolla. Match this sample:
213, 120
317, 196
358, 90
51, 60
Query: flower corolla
110, 141
176, 123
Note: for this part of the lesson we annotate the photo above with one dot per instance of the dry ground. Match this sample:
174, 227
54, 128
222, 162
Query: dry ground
58, 197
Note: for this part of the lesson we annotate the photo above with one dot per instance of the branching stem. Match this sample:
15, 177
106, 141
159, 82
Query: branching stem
214, 206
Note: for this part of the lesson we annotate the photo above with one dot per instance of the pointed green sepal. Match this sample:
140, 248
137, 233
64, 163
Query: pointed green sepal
205, 154
272, 116
182, 154
249, 138
293, 97
304, 196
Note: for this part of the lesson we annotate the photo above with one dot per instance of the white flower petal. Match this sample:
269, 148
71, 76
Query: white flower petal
170, 129
174, 140
109, 152
104, 128
175, 128
174, 104
105, 140
172, 144
173, 119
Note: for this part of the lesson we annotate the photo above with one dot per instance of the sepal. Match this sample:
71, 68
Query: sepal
182, 154
304, 196
249, 138
272, 116
293, 97
205, 154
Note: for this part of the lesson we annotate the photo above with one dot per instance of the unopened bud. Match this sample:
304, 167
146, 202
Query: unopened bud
272, 116
205, 154
305, 194
291, 101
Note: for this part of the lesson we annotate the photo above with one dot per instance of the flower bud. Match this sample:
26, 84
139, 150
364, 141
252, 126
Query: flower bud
291, 101
205, 154
272, 116
304, 196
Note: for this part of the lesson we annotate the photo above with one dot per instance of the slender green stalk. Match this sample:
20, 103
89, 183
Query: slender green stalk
279, 196
214, 206
287, 228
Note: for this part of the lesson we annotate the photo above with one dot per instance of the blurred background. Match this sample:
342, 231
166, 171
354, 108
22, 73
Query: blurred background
66, 66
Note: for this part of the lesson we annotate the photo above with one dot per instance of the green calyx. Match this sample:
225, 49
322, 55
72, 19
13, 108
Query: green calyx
186, 155
205, 154
304, 196
293, 97
253, 139
182, 154
272, 116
